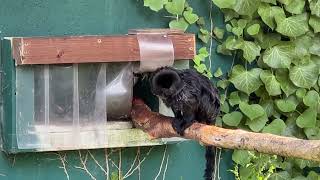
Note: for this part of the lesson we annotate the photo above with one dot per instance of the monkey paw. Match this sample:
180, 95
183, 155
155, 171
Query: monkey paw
177, 126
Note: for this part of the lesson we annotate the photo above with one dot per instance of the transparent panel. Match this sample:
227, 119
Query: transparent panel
66, 106
60, 96
92, 95
119, 90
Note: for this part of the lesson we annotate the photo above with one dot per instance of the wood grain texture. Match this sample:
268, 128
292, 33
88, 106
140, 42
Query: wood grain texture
90, 49
159, 126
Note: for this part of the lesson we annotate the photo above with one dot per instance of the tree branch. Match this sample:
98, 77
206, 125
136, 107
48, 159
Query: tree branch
159, 126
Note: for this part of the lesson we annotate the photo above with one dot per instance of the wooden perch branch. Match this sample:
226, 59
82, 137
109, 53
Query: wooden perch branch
159, 126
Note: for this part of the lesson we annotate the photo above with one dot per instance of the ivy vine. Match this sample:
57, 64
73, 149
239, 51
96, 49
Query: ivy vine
275, 87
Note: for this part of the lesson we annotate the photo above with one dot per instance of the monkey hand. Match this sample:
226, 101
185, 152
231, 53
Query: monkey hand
177, 125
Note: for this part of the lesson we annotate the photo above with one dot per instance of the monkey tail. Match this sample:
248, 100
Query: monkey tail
210, 158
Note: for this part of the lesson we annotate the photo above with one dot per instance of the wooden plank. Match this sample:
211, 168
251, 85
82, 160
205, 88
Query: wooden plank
89, 49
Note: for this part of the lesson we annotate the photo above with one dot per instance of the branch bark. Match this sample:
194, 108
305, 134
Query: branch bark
159, 126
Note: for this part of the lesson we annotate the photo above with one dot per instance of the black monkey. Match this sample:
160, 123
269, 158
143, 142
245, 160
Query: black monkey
192, 97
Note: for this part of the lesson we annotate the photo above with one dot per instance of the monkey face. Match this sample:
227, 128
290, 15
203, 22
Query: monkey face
165, 82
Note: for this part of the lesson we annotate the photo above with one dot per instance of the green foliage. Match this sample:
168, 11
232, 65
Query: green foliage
308, 118
293, 26
278, 56
286, 53
190, 17
252, 111
244, 80
277, 127
175, 6
274, 86
305, 75
232, 119
155, 5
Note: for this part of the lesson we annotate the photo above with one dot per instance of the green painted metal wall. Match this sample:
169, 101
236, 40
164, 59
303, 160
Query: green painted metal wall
83, 17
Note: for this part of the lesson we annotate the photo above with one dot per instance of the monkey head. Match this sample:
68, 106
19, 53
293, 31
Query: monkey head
165, 82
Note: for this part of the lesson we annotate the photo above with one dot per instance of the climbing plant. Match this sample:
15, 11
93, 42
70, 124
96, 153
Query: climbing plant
274, 86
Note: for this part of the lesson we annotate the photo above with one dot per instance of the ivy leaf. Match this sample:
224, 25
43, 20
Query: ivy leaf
292, 130
204, 35
315, 48
208, 74
190, 17
231, 43
301, 92
180, 24
218, 73
286, 105
245, 81
247, 172
277, 127
315, 23
293, 26
307, 119
271, 83
283, 175
267, 105
237, 97
312, 133
175, 7
201, 21
223, 83
252, 111
218, 32
218, 122
223, 50
302, 45
270, 1
313, 176
269, 40
315, 7
224, 4
242, 23
282, 75
241, 157
225, 107
155, 5
222, 98
311, 99
246, 7
232, 119
201, 68
228, 27
285, 2
197, 60
278, 56
257, 124
250, 50
234, 98
238, 31
295, 6
268, 14
253, 29
204, 52
229, 14
304, 76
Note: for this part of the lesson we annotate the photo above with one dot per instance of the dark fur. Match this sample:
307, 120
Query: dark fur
192, 97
